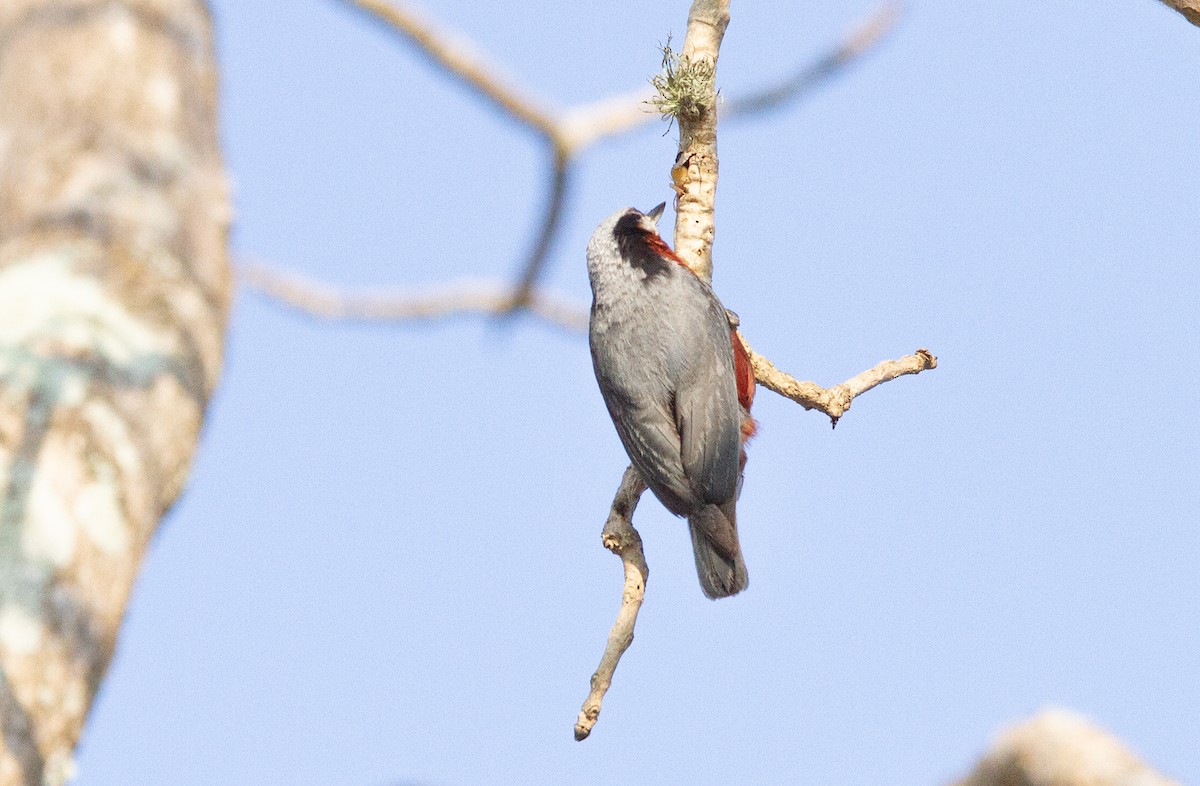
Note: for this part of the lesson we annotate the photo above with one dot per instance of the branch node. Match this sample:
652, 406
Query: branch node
835, 401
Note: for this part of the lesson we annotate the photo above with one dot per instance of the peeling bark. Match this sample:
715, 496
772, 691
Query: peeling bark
114, 290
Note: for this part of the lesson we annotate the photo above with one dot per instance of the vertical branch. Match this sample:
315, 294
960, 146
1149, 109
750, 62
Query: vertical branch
698, 142
695, 224
114, 290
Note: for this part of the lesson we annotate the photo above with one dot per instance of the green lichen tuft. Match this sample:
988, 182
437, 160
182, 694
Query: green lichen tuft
685, 88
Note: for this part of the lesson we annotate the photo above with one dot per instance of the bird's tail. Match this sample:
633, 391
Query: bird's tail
719, 560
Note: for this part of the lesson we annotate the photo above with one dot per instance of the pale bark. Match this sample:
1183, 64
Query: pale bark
836, 400
696, 185
622, 539
114, 290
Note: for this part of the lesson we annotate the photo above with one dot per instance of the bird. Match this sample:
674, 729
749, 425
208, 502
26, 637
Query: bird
677, 381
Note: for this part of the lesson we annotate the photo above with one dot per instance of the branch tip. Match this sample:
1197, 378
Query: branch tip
836, 401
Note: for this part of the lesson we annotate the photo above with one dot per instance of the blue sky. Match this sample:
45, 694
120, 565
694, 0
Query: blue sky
387, 566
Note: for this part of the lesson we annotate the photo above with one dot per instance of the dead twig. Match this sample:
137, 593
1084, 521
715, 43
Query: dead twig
836, 400
621, 539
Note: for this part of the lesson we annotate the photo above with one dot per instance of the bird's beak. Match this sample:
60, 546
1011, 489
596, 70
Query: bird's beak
657, 212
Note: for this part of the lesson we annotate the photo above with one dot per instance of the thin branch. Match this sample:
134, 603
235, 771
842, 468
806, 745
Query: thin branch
459, 56
835, 401
621, 539
861, 39
569, 134
536, 262
579, 128
584, 125
468, 297
695, 180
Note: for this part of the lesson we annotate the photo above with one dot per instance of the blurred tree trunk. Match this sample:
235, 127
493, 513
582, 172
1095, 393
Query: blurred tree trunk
1061, 748
114, 289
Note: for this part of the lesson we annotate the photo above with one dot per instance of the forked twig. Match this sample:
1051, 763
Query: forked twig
569, 133
836, 400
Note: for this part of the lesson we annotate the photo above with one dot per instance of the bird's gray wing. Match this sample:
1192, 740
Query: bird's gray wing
707, 414
648, 432
636, 392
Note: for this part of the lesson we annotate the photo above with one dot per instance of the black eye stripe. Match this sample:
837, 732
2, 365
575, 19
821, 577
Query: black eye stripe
632, 243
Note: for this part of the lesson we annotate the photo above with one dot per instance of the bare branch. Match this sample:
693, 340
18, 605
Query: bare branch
581, 127
459, 56
585, 125
568, 135
695, 176
477, 297
862, 38
536, 263
836, 400
621, 539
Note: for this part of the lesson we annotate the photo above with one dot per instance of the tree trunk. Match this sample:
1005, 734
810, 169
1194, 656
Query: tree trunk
114, 290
